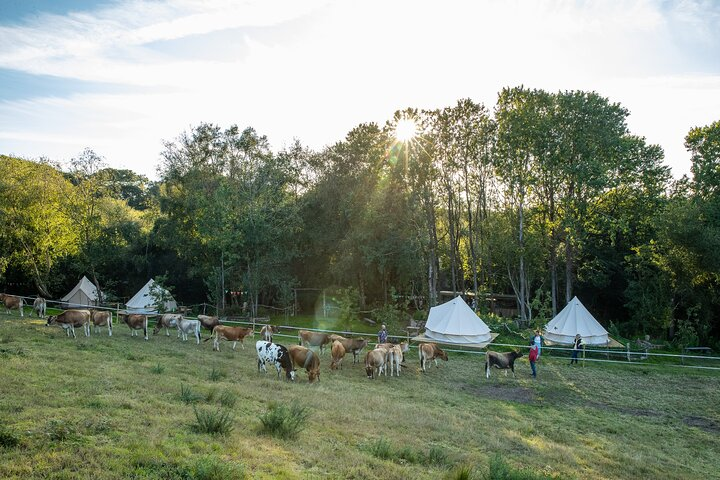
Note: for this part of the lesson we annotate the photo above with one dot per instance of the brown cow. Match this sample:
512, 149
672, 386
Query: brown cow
167, 321
354, 345
12, 302
503, 361
267, 331
305, 358
313, 339
375, 362
395, 357
101, 318
430, 351
209, 322
338, 353
69, 319
231, 334
136, 321
39, 307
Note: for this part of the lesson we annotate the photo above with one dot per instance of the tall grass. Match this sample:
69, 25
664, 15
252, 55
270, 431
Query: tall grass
284, 421
213, 422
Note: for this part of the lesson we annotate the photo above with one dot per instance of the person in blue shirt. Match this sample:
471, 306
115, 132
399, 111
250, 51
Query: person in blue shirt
382, 335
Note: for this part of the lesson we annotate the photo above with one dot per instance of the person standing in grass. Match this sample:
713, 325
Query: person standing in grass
382, 335
533, 356
576, 349
537, 340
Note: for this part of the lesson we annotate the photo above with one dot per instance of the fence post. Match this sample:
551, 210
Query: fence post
628, 352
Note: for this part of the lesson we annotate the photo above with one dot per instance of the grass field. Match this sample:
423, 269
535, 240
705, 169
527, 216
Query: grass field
122, 407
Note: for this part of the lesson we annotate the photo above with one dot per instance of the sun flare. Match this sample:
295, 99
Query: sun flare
405, 129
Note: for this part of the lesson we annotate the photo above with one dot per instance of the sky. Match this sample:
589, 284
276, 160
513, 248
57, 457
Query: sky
121, 77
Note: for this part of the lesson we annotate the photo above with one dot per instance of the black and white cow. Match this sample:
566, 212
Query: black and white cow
276, 354
503, 361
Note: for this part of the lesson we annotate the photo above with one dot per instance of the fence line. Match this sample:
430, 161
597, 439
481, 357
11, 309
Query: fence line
625, 353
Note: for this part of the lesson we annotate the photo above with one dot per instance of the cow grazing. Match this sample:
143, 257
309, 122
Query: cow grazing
354, 345
231, 334
267, 331
101, 318
209, 322
306, 358
39, 307
186, 326
167, 321
313, 339
277, 355
12, 302
135, 321
70, 319
503, 361
430, 351
375, 362
337, 352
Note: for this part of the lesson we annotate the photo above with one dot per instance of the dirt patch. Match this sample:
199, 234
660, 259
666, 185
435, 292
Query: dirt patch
502, 392
706, 424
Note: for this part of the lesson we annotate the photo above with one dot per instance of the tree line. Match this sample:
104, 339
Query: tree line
547, 196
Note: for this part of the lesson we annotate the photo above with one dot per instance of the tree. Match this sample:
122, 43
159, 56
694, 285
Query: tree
37, 228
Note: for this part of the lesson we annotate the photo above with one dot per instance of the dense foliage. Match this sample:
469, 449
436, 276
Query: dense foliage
545, 197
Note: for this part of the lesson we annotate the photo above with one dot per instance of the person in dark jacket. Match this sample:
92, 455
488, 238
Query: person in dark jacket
576, 349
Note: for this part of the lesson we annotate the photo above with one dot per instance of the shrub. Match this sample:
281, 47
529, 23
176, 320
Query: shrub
216, 374
380, 448
437, 456
157, 369
60, 431
461, 473
500, 470
8, 438
283, 421
188, 396
228, 399
218, 422
211, 468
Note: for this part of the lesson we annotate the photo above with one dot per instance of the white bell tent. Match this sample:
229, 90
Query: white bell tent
84, 294
576, 319
143, 302
454, 322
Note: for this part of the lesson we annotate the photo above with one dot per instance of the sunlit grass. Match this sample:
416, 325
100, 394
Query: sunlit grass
124, 417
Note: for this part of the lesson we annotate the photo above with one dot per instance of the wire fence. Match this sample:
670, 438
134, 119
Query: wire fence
625, 356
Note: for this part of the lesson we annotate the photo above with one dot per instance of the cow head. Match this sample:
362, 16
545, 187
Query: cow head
314, 375
442, 354
290, 374
369, 370
156, 328
517, 354
51, 320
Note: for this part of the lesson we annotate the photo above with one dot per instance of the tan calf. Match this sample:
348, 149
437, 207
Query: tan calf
430, 351
231, 334
12, 303
337, 352
70, 319
313, 339
375, 362
101, 318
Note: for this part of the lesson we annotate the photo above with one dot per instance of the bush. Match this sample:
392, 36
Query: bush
228, 399
283, 421
462, 473
211, 468
157, 369
218, 422
380, 448
188, 396
500, 470
8, 438
60, 431
437, 456
216, 374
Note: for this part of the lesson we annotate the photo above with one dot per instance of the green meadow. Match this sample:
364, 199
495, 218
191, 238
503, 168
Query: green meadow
122, 407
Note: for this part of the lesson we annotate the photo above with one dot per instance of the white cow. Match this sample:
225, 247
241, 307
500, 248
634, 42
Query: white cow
186, 326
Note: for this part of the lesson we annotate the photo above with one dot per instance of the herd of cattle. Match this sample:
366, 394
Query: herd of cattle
384, 357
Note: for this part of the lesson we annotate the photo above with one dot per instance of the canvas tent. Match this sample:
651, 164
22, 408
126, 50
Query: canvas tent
455, 323
572, 320
84, 294
143, 302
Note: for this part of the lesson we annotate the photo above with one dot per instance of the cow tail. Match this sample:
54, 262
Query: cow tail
308, 359
487, 365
